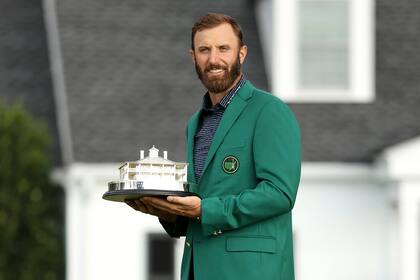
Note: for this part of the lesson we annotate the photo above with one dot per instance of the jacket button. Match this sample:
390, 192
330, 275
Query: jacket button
188, 244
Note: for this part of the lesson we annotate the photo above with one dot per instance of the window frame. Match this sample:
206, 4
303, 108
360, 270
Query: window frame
284, 69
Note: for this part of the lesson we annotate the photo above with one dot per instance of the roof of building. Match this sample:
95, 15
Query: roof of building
129, 77
131, 84
156, 160
24, 68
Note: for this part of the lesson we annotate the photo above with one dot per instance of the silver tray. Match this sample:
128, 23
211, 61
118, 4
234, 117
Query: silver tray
123, 195
120, 191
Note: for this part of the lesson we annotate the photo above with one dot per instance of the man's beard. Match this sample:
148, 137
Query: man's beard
219, 84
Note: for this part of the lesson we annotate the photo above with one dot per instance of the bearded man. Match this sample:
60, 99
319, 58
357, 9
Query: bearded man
243, 154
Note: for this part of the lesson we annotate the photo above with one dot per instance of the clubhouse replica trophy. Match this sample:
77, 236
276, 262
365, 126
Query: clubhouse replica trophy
150, 176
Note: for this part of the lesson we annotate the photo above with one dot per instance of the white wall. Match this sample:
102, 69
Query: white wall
344, 225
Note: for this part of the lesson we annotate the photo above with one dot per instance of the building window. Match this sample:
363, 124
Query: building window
160, 256
323, 45
321, 50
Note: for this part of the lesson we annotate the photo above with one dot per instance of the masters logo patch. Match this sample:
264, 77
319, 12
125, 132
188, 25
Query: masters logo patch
230, 164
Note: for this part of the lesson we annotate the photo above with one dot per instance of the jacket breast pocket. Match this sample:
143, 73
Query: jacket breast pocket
233, 145
232, 162
237, 150
264, 244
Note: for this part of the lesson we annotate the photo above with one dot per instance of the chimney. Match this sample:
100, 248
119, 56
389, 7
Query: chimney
141, 154
165, 154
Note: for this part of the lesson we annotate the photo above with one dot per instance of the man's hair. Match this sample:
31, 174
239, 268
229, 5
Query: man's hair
212, 20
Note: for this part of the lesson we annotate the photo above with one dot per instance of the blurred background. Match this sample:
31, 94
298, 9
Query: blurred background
85, 85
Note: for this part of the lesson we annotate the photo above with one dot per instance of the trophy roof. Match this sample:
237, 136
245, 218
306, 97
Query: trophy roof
156, 160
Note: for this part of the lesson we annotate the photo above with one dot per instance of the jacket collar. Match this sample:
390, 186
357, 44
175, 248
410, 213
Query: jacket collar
231, 114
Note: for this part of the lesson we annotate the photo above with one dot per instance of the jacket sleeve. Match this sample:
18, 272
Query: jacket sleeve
277, 163
177, 229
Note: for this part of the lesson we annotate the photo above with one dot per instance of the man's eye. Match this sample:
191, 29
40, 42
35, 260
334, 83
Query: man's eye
224, 48
204, 50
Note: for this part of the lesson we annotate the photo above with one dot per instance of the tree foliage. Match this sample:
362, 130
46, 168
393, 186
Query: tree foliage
31, 208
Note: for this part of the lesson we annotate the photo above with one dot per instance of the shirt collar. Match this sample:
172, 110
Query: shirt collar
207, 105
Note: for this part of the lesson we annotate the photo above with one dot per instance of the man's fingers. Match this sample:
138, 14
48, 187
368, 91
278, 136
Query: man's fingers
163, 205
131, 203
177, 200
137, 205
156, 206
186, 203
184, 206
157, 202
147, 207
141, 206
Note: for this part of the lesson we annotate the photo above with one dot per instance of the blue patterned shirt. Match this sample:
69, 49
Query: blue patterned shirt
210, 117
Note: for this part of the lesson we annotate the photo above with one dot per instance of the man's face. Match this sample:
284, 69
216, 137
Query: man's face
218, 57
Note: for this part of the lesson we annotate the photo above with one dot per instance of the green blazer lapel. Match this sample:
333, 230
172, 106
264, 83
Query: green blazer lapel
192, 128
232, 112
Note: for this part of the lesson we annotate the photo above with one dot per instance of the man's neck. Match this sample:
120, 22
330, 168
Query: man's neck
217, 97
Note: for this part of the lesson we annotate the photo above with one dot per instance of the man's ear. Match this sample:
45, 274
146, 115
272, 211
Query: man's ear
191, 51
242, 53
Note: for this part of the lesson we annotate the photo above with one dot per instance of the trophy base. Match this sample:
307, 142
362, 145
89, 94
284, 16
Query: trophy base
132, 194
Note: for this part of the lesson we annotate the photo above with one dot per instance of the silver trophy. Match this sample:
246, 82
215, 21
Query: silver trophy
150, 176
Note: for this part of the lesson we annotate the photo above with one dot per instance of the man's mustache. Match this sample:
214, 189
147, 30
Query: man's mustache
215, 67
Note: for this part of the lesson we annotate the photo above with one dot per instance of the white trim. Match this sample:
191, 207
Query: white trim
284, 51
264, 17
402, 163
363, 46
74, 178
58, 81
285, 56
409, 208
74, 233
343, 172
74, 220
72, 174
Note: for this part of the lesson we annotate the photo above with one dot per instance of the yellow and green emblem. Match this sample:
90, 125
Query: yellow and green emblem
230, 164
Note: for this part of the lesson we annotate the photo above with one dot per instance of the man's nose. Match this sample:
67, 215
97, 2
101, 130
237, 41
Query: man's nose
214, 57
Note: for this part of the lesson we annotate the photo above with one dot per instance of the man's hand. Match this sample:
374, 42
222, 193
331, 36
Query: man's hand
189, 206
140, 205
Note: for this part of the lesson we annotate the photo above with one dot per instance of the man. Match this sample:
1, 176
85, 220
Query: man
243, 151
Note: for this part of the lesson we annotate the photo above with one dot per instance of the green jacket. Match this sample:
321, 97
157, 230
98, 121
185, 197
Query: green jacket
248, 188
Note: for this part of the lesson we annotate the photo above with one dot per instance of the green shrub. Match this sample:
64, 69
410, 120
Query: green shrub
31, 208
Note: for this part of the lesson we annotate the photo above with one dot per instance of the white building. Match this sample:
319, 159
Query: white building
155, 171
120, 79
